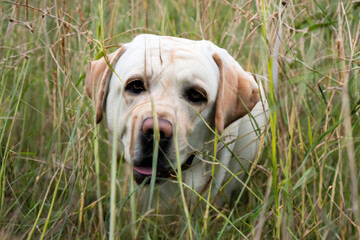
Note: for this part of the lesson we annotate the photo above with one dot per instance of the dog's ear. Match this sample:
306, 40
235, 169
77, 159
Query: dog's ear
98, 73
238, 91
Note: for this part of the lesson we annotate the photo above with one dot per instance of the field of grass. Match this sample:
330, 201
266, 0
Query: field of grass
55, 172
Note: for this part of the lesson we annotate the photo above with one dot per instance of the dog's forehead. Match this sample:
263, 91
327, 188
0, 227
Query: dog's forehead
164, 43
154, 55
170, 60
165, 50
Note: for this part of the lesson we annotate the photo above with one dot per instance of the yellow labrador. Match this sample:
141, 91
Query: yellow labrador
183, 90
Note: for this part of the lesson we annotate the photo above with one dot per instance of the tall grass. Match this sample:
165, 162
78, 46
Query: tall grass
59, 181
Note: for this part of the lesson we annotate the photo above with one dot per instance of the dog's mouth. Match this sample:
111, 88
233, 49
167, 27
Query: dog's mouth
143, 174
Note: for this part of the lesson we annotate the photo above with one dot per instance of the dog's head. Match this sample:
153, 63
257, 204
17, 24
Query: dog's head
172, 90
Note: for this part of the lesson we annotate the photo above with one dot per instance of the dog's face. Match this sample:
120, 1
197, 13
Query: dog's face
174, 89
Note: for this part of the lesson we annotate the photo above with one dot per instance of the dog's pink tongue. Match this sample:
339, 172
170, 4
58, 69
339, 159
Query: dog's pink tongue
143, 170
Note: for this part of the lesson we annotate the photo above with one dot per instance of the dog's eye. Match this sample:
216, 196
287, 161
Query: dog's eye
195, 96
135, 87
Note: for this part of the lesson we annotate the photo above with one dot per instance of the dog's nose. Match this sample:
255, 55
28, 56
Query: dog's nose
165, 127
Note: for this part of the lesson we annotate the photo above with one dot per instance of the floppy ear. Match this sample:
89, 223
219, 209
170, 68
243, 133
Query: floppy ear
98, 73
238, 91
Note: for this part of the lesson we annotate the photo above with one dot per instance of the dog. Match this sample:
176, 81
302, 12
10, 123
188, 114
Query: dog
171, 102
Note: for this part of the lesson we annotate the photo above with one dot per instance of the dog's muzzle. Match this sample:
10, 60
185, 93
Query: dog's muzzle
143, 163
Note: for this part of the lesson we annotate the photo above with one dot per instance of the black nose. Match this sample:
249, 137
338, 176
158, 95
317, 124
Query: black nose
165, 127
